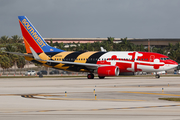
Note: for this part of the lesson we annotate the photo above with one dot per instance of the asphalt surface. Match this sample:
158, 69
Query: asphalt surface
78, 98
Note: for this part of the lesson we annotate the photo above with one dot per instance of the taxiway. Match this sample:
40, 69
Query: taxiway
71, 98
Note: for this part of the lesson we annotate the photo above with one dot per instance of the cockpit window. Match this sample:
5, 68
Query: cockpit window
165, 58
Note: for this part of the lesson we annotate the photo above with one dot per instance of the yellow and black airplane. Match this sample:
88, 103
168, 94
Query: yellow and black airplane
103, 63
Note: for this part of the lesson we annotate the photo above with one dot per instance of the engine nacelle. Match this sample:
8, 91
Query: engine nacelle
108, 71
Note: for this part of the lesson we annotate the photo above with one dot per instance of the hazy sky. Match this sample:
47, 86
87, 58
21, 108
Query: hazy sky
93, 18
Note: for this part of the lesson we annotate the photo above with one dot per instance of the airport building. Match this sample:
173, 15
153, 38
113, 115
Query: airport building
137, 41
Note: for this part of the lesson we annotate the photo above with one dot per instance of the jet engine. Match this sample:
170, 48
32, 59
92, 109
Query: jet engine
108, 71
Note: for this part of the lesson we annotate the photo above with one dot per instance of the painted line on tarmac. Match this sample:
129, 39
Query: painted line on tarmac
81, 99
84, 99
136, 107
34, 96
149, 93
10, 94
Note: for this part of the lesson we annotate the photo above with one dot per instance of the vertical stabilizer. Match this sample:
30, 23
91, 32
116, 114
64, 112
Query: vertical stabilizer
33, 39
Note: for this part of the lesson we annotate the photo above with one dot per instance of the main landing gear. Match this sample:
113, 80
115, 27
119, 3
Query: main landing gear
91, 76
101, 77
157, 76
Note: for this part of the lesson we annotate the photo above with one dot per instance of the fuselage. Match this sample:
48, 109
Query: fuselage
127, 61
103, 63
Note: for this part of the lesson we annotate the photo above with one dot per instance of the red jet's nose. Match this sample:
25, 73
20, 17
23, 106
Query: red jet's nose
172, 62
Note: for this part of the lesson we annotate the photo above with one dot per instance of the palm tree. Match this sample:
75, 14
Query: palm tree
5, 62
20, 48
4, 39
21, 63
10, 48
16, 39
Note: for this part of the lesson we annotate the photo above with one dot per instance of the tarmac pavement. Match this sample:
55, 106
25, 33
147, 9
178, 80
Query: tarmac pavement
71, 98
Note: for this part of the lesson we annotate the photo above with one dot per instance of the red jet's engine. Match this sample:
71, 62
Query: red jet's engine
108, 71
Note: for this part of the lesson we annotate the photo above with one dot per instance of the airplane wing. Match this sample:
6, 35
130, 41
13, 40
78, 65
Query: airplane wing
87, 65
21, 54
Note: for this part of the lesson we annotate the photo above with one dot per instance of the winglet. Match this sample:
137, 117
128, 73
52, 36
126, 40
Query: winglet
35, 55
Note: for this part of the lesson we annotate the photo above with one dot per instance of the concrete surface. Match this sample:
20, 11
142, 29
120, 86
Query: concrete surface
129, 98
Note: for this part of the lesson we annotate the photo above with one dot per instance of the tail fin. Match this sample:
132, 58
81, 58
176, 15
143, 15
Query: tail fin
33, 39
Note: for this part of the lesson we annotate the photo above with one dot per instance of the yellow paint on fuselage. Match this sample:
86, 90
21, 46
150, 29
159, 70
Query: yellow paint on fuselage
83, 57
83, 70
59, 57
43, 56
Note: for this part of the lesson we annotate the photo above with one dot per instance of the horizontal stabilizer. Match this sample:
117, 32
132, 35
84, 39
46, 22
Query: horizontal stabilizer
21, 54
35, 55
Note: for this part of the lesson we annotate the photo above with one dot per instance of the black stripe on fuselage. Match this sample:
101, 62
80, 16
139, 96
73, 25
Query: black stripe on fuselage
72, 56
94, 57
34, 61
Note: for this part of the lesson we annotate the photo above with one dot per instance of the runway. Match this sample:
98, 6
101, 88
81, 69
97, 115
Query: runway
78, 98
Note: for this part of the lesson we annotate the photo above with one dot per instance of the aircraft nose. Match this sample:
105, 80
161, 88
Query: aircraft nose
173, 63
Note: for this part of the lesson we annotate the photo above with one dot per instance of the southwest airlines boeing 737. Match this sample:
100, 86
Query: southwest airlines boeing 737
103, 63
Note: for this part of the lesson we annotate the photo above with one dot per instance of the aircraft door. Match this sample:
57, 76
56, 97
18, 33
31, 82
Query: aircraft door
152, 57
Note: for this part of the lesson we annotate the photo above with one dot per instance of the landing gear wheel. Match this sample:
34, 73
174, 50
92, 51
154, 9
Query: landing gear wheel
157, 76
90, 76
101, 77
